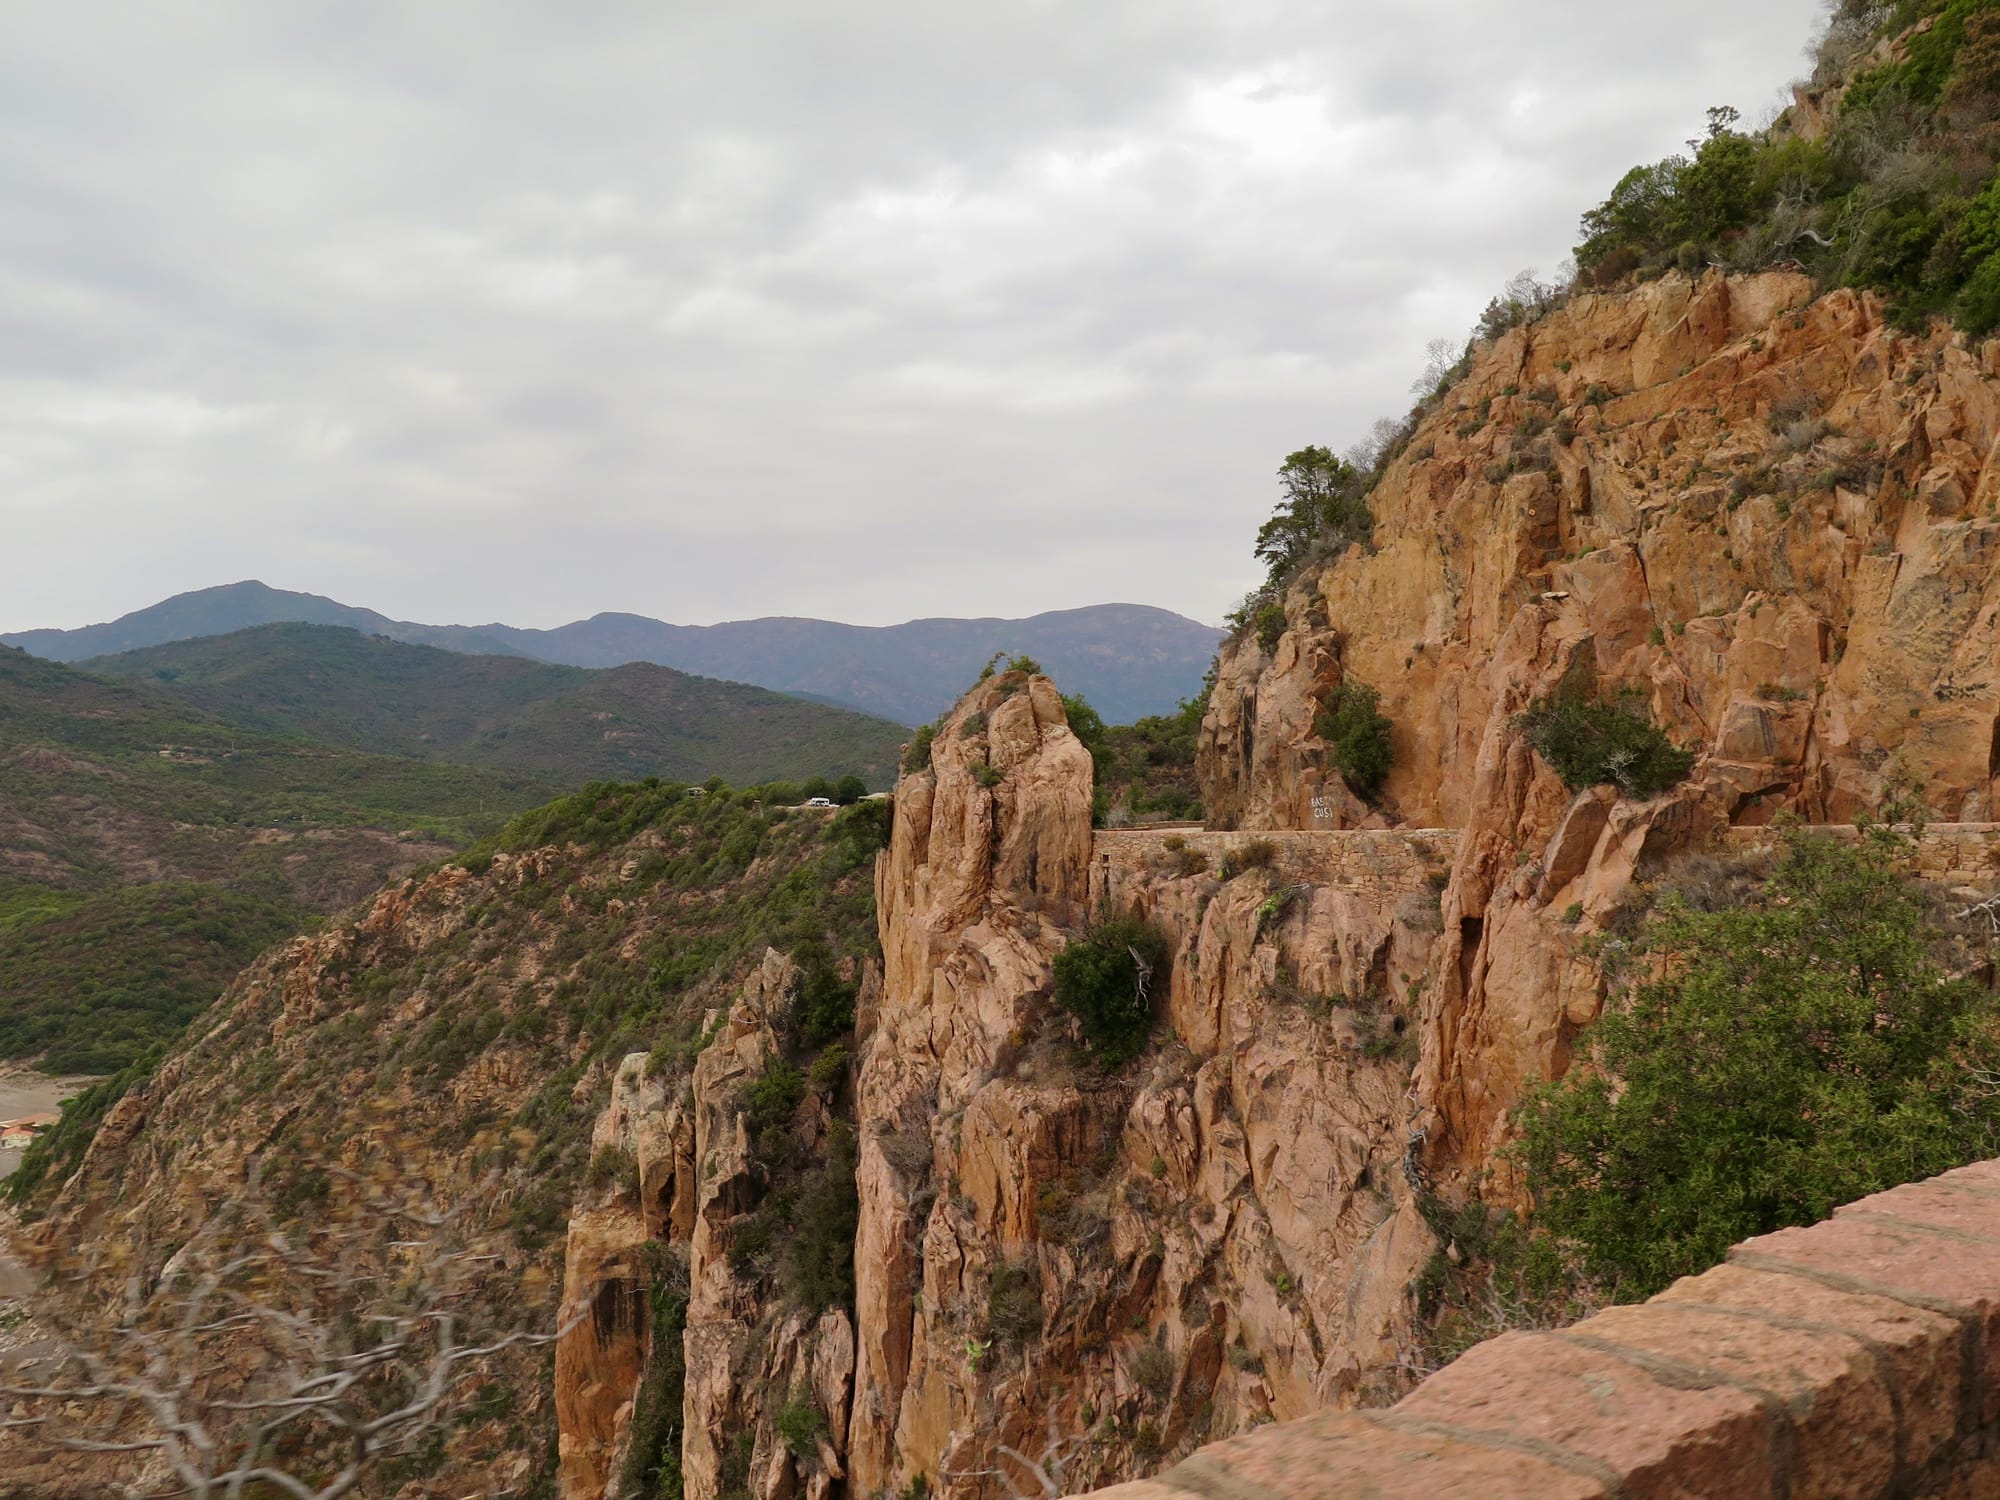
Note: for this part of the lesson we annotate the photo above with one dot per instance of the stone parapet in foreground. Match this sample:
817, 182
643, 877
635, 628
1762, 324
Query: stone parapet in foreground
1856, 1358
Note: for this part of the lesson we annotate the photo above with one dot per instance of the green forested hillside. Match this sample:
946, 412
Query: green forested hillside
568, 724
104, 783
98, 980
149, 849
157, 833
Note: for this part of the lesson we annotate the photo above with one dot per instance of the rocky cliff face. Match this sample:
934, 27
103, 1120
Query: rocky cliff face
689, 1185
1769, 514
1217, 1235
1772, 515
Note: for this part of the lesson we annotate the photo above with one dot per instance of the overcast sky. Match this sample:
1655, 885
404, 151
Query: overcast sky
868, 309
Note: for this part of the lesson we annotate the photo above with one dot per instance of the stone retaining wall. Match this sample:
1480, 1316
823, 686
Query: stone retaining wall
1384, 863
1947, 852
1854, 1359
1391, 862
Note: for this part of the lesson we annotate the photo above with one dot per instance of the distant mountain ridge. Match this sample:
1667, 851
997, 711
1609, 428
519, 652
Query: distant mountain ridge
1129, 660
238, 606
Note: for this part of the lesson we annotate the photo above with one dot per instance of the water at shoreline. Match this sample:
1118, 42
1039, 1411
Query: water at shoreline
23, 1091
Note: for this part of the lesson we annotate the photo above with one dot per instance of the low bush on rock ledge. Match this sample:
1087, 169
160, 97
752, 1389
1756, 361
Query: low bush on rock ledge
1590, 741
1107, 980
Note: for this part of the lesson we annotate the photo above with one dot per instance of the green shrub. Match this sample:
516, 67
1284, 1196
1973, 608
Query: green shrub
1977, 310
1357, 733
772, 1096
917, 754
861, 831
1024, 664
828, 1070
1107, 980
1254, 854
1085, 722
1153, 1371
1806, 1047
1013, 1305
1589, 742
822, 1005
987, 776
612, 1167
653, 1455
1269, 622
816, 1260
800, 1424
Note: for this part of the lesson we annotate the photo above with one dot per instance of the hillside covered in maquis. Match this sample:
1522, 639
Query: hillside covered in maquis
1885, 175
484, 1005
565, 725
148, 850
150, 847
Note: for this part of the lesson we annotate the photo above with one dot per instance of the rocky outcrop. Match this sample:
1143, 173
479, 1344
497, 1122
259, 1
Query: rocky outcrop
988, 864
1767, 512
675, 1178
1216, 1236
605, 1314
748, 1352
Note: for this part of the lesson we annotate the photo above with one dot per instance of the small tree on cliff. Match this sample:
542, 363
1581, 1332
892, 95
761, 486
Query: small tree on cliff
282, 1353
1323, 503
1357, 733
1781, 1056
1108, 979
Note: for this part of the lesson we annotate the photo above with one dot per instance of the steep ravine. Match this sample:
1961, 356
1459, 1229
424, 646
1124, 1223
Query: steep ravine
1218, 1235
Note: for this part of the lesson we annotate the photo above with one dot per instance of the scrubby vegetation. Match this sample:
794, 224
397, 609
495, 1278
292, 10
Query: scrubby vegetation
1891, 182
1590, 740
1801, 1049
1357, 732
1900, 195
653, 1454
1145, 770
1783, 1037
140, 753
204, 842
91, 985
613, 921
1108, 980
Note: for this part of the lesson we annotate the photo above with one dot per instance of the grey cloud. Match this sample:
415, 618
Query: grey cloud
874, 310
